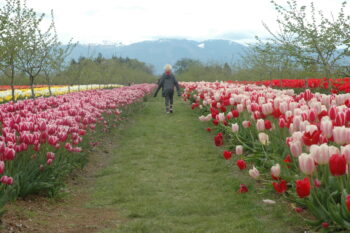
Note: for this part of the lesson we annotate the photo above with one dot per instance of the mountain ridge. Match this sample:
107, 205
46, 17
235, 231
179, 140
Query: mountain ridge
165, 51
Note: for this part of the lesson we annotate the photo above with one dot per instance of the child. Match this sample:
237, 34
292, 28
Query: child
167, 83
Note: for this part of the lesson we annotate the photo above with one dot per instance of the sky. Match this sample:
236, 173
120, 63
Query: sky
130, 21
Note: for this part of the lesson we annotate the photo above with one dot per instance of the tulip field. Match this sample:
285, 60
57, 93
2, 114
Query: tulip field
296, 145
44, 139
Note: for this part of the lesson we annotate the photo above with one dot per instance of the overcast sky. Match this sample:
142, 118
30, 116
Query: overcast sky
128, 21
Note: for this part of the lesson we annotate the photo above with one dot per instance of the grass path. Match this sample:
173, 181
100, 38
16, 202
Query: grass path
168, 176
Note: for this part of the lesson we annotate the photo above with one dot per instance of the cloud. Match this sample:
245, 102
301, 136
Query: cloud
237, 35
137, 20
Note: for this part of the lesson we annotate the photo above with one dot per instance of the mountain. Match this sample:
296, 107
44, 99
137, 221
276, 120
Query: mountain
163, 51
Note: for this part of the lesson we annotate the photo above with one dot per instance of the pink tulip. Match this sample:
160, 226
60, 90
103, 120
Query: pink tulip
333, 112
2, 167
306, 163
276, 170
2, 147
6, 180
264, 138
246, 124
260, 124
239, 150
345, 150
267, 109
235, 128
9, 153
326, 127
320, 153
254, 173
295, 148
240, 107
50, 155
339, 134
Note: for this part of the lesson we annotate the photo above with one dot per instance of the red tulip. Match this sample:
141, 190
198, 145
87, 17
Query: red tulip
287, 159
241, 164
243, 188
317, 183
208, 129
347, 202
280, 187
227, 154
268, 124
235, 113
303, 187
337, 165
311, 139
219, 141
325, 224
9, 153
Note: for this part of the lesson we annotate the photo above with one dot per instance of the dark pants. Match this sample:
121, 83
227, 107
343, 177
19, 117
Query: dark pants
169, 97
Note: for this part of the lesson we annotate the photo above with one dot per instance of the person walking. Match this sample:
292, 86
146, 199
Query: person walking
167, 82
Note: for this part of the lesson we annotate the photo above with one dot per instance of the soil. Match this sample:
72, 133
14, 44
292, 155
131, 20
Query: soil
70, 213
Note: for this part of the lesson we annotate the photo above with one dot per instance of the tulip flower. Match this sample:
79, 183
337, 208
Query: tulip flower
268, 124
345, 150
243, 188
280, 187
239, 150
246, 124
320, 153
235, 128
317, 183
339, 134
295, 148
347, 202
303, 187
337, 165
326, 127
227, 154
219, 141
254, 173
264, 138
310, 138
276, 170
241, 164
306, 163
2, 167
260, 124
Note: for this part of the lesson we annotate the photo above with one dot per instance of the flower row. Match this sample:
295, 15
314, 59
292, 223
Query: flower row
43, 139
298, 142
25, 92
337, 85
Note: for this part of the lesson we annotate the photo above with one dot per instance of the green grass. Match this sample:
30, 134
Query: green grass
168, 176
